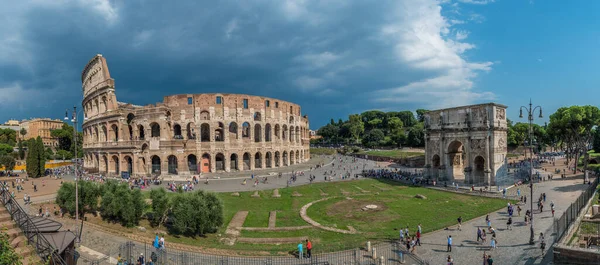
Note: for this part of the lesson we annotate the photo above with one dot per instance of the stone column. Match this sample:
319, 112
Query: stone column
213, 163
251, 157
487, 180
227, 162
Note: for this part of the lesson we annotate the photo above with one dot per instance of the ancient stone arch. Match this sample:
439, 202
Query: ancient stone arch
466, 144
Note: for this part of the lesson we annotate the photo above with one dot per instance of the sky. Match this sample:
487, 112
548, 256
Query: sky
333, 57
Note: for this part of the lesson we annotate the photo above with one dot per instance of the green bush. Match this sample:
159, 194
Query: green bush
7, 253
160, 205
88, 197
195, 214
121, 204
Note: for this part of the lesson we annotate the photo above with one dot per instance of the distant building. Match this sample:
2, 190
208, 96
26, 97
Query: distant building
41, 127
11, 124
313, 135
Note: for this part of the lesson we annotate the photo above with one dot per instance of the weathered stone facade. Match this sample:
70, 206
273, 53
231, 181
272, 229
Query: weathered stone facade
467, 144
187, 133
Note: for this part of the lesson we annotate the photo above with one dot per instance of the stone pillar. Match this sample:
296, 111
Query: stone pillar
227, 162
487, 180
213, 163
251, 156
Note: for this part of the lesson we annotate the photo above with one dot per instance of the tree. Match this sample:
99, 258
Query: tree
89, 192
21, 150
8, 162
579, 122
8, 136
416, 136
41, 158
5, 149
407, 117
355, 127
32, 163
160, 205
328, 132
373, 138
421, 114
64, 155
596, 144
195, 214
48, 153
23, 132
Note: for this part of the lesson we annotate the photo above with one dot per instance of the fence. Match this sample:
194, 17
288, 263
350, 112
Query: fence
561, 225
42, 247
383, 253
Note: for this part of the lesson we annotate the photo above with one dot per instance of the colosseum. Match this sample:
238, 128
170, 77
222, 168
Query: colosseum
188, 133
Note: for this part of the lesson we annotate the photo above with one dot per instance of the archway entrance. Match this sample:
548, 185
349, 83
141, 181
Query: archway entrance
268, 159
220, 162
116, 161
246, 160
478, 170
456, 160
172, 164
205, 163
192, 164
156, 164
277, 160
257, 160
234, 162
129, 165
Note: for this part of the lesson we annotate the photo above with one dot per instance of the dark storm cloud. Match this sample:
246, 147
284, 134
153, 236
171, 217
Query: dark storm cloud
332, 57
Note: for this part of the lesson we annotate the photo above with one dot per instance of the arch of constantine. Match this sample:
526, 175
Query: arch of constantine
187, 133
467, 144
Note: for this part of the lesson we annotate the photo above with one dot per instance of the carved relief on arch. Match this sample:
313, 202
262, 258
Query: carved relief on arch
500, 114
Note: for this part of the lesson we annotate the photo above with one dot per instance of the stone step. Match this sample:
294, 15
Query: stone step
13, 233
8, 225
4, 218
19, 241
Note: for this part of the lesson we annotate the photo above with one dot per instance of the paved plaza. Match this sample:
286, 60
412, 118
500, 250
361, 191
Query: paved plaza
513, 247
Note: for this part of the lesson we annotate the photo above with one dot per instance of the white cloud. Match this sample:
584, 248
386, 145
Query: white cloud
232, 26
142, 37
103, 7
318, 60
462, 34
477, 2
421, 44
308, 84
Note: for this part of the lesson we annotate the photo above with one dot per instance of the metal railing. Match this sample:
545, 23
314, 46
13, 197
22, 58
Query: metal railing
561, 225
385, 253
34, 237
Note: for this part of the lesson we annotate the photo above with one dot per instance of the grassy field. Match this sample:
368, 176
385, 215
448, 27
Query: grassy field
323, 151
397, 207
392, 153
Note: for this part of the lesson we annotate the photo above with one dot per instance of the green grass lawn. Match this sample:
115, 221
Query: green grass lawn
392, 153
397, 208
323, 151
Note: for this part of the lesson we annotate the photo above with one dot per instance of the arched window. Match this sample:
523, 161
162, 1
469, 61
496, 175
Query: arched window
205, 132
190, 131
219, 136
268, 132
177, 131
155, 129
233, 130
257, 116
257, 133
141, 132
156, 165
246, 130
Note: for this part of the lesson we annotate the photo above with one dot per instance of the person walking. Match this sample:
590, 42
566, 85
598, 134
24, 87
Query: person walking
509, 223
493, 242
449, 244
519, 210
450, 260
459, 222
418, 242
300, 248
490, 261
401, 235
308, 249
542, 243
478, 233
519, 192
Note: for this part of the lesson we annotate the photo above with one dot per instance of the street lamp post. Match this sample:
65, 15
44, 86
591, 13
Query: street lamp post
74, 121
530, 112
